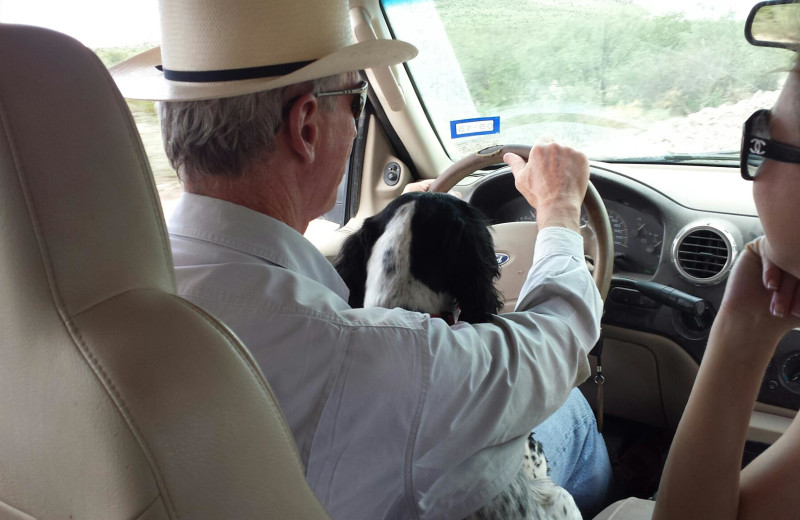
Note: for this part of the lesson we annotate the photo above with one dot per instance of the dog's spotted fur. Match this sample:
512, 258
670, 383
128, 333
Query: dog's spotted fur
425, 252
433, 253
532, 495
389, 280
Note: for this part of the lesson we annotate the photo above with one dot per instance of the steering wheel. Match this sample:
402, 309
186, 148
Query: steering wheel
516, 239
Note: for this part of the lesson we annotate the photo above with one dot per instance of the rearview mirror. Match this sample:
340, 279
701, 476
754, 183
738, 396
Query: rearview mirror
775, 23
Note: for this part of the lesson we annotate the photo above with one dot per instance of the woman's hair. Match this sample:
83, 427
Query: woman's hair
222, 136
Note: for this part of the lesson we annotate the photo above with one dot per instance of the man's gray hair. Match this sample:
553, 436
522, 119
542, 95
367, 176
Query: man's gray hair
222, 136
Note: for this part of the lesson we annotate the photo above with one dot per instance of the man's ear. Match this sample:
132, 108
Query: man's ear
302, 127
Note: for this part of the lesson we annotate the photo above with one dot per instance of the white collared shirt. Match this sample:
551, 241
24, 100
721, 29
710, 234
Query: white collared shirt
395, 415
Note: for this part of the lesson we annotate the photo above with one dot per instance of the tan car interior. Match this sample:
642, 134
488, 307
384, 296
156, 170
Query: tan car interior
119, 399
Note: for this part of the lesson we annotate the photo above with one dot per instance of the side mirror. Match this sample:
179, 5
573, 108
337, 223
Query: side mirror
775, 23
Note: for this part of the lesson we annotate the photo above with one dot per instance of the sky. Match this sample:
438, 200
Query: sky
96, 23
116, 23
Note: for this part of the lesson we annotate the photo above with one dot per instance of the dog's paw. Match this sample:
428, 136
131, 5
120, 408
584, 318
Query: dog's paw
534, 463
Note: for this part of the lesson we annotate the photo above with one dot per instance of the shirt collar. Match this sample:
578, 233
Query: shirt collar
236, 227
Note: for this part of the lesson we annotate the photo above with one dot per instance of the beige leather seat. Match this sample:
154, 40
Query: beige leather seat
117, 398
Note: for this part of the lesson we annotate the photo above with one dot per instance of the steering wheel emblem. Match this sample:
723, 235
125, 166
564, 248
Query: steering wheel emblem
502, 258
757, 146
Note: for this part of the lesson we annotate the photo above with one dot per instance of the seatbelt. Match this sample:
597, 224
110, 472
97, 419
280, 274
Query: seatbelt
599, 379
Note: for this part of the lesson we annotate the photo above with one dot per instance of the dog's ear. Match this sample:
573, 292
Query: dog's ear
453, 252
473, 275
351, 262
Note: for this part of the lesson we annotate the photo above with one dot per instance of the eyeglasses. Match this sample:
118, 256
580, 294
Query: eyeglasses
757, 146
358, 103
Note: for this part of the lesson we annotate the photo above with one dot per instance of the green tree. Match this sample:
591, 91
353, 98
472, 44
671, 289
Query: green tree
602, 53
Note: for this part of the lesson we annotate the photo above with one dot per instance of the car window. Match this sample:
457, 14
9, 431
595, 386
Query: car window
115, 31
636, 80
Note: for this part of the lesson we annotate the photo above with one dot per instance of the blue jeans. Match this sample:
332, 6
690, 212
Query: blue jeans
576, 453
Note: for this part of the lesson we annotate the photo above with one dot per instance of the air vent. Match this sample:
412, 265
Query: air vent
703, 254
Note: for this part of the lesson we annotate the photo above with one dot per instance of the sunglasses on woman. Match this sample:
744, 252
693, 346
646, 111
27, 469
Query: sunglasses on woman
757, 146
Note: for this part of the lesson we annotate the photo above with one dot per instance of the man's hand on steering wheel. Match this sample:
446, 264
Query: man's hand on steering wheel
422, 185
554, 181
561, 172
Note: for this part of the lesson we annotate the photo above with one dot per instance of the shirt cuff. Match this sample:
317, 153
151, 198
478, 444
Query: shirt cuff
555, 240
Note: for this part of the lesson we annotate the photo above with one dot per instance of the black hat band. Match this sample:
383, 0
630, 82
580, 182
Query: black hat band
209, 76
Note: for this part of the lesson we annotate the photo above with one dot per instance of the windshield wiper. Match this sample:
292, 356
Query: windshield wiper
679, 158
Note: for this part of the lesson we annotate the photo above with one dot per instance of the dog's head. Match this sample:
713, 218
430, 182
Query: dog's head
427, 252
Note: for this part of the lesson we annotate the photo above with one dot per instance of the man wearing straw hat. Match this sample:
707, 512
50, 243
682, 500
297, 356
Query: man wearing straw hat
395, 414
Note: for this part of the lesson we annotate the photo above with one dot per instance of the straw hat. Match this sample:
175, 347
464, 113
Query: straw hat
212, 49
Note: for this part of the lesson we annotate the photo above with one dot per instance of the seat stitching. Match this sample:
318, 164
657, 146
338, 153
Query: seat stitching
58, 303
244, 355
141, 157
148, 507
16, 509
124, 411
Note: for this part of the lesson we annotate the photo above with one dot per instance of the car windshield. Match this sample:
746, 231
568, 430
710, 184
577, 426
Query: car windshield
621, 80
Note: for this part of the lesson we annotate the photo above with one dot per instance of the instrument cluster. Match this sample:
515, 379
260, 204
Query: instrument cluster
638, 237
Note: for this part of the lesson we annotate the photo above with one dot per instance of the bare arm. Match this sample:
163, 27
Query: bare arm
701, 478
768, 487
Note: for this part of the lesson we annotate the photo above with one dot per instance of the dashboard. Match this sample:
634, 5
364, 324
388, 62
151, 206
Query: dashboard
638, 236
680, 227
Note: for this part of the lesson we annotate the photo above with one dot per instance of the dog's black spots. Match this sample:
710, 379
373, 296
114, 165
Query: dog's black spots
389, 262
513, 503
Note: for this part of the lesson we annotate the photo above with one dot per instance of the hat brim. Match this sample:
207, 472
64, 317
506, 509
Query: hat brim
138, 77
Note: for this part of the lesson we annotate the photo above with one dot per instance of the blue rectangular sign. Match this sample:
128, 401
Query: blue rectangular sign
474, 126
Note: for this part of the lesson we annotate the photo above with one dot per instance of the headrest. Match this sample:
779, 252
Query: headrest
78, 202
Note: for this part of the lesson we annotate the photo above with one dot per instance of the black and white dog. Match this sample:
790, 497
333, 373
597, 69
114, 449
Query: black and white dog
433, 253
426, 252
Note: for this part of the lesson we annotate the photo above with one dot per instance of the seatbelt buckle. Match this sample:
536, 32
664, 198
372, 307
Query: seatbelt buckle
599, 379
597, 351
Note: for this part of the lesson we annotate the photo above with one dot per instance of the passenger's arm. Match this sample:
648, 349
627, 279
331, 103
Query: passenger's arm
768, 487
701, 478
773, 474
